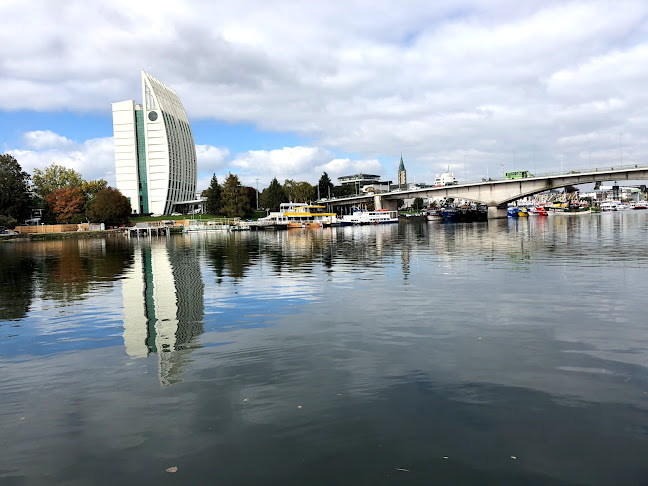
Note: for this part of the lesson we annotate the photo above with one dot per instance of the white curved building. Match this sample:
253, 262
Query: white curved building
155, 154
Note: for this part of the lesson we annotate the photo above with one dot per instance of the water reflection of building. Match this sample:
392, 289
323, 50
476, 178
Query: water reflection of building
163, 306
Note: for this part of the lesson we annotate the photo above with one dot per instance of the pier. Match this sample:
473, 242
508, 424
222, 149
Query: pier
149, 228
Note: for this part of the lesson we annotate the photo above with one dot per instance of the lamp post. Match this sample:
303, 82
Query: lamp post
621, 149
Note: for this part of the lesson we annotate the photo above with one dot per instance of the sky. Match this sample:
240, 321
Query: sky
292, 89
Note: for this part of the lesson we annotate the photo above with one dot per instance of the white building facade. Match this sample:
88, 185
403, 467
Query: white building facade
155, 153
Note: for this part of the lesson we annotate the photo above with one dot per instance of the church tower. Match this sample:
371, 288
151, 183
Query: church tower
402, 174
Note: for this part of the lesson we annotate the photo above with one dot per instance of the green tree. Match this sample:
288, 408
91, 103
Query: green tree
341, 191
91, 188
325, 185
273, 195
15, 200
214, 196
299, 191
55, 177
250, 193
235, 199
110, 206
417, 204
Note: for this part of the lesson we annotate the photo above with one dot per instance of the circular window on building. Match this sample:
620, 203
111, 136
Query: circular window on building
152, 116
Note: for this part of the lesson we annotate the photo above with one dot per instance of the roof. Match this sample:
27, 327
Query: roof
401, 166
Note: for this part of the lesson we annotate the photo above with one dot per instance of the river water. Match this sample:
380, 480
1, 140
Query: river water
505, 353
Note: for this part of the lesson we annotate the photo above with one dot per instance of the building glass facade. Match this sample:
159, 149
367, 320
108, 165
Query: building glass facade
155, 153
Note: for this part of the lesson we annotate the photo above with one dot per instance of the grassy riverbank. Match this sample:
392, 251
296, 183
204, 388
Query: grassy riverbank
61, 236
256, 215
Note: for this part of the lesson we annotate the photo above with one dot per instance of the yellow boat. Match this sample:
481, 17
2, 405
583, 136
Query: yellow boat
310, 216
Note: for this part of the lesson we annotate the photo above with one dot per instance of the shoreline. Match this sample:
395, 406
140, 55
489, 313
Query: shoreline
61, 236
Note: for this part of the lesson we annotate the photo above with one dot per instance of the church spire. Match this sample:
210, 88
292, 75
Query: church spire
402, 173
402, 165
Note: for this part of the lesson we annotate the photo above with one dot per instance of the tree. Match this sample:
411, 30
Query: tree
214, 196
417, 204
55, 177
91, 188
67, 204
299, 191
341, 191
15, 201
251, 194
110, 206
235, 200
324, 185
273, 195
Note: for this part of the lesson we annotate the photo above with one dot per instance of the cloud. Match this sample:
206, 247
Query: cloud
433, 80
211, 159
298, 163
46, 139
94, 158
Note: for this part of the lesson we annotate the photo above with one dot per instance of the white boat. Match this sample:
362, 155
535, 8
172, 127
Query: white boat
379, 216
435, 215
640, 205
623, 207
609, 206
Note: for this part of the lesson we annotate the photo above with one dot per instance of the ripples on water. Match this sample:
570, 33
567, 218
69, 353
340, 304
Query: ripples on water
336, 356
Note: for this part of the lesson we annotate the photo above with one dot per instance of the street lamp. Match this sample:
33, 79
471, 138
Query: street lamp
621, 149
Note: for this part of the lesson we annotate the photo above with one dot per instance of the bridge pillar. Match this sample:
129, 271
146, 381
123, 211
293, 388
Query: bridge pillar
389, 204
496, 212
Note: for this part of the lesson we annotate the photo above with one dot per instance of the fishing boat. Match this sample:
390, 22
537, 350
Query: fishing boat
435, 215
523, 212
450, 214
538, 211
512, 211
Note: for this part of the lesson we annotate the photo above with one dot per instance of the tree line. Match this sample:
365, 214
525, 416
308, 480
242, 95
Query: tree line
231, 199
62, 195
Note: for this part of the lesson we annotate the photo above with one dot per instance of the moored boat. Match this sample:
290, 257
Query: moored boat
309, 216
435, 215
450, 214
640, 205
538, 211
609, 206
361, 217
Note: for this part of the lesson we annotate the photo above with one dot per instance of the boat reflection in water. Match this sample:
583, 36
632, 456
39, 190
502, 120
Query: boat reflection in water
163, 306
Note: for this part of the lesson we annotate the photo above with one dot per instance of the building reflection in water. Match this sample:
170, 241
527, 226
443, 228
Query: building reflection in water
163, 305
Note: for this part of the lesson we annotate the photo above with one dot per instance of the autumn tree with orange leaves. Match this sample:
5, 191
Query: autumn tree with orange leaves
67, 204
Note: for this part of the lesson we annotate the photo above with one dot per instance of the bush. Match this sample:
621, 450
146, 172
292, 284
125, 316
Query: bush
8, 222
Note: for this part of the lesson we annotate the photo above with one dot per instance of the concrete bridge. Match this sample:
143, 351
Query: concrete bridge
497, 193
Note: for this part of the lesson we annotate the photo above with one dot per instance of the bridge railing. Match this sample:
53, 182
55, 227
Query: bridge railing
573, 172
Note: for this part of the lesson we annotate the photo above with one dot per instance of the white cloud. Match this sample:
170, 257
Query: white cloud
46, 139
430, 79
94, 158
211, 159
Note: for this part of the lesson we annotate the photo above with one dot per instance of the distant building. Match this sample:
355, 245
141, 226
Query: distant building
402, 174
445, 179
358, 179
155, 154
